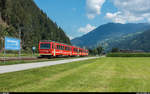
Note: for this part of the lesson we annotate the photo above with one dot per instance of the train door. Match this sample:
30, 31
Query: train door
54, 49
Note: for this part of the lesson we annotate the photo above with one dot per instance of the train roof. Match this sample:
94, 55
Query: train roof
61, 43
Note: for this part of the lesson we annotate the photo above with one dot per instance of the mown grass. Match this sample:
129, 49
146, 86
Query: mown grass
95, 75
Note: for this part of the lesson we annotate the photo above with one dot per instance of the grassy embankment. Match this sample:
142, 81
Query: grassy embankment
34, 61
29, 61
102, 75
17, 55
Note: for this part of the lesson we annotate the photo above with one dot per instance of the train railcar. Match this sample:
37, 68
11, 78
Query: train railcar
51, 48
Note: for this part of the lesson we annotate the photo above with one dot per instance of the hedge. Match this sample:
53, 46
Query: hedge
128, 55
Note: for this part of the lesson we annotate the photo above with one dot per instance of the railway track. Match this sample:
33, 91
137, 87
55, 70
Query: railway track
19, 58
27, 58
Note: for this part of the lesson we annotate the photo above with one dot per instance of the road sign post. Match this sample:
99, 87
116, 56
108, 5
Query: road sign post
20, 43
33, 50
3, 49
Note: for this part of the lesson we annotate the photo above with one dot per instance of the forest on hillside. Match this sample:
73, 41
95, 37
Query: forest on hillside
34, 24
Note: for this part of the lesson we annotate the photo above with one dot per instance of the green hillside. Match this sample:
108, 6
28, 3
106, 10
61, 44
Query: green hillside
34, 24
138, 42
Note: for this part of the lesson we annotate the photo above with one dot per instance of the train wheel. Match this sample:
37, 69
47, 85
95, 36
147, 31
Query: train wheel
41, 56
49, 57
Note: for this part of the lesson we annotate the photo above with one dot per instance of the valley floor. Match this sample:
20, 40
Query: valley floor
95, 75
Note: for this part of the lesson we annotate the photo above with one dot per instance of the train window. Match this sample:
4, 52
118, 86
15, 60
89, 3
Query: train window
57, 46
52, 46
45, 46
68, 48
60, 47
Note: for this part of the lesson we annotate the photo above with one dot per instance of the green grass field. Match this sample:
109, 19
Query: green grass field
96, 75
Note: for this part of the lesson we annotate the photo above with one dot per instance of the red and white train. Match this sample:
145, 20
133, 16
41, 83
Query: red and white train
51, 48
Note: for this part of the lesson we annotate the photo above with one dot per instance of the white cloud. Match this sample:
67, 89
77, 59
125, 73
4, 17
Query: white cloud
116, 17
86, 29
120, 17
94, 8
133, 6
70, 37
130, 11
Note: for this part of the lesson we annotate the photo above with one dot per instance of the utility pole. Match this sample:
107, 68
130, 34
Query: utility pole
20, 42
3, 49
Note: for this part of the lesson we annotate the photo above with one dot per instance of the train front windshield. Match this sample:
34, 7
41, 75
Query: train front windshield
44, 46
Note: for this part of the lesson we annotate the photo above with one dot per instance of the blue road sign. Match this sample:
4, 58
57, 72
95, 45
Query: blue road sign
12, 43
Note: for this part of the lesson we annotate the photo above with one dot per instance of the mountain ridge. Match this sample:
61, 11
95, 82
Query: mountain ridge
107, 31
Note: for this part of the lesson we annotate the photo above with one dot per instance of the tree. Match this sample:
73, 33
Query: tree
99, 50
96, 51
114, 50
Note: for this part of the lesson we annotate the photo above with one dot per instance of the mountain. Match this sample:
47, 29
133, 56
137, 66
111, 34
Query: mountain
138, 42
34, 24
107, 34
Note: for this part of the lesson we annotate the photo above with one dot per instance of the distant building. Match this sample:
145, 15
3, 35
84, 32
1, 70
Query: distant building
131, 51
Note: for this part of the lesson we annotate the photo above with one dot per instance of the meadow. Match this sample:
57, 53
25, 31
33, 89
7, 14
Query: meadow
107, 74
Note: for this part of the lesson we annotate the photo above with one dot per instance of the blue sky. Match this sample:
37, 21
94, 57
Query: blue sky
78, 17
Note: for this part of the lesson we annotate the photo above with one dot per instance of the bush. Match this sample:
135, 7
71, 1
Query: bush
114, 50
128, 55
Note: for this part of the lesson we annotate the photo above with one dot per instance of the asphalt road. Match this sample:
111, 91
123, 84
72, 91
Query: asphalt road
20, 67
